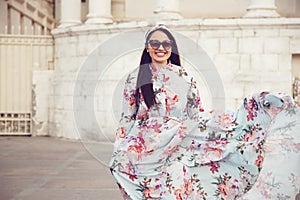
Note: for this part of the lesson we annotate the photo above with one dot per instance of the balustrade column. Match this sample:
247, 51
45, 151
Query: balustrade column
167, 9
99, 12
70, 13
261, 8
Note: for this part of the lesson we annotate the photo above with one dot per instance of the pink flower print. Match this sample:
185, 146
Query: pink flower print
178, 194
147, 193
157, 127
175, 99
222, 141
121, 133
223, 189
214, 166
131, 101
137, 149
251, 107
296, 147
226, 121
168, 106
193, 84
153, 124
212, 152
157, 187
154, 69
125, 94
193, 146
250, 116
247, 137
184, 170
132, 177
128, 170
259, 161
181, 132
188, 187
152, 192
198, 102
166, 79
142, 114
169, 65
235, 186
171, 102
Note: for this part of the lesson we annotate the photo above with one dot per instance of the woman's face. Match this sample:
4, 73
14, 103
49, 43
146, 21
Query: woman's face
159, 47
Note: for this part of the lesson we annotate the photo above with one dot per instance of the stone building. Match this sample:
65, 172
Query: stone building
75, 88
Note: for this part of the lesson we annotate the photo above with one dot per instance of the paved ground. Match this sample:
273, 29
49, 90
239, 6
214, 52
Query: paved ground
44, 168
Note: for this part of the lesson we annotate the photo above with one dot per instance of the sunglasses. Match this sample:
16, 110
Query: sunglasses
155, 44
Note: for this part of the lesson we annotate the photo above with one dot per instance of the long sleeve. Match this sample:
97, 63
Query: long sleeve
194, 105
175, 149
129, 108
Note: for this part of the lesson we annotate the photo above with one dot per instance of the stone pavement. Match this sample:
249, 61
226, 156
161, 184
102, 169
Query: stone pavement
44, 168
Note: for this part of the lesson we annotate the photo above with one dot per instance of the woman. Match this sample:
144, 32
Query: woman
167, 148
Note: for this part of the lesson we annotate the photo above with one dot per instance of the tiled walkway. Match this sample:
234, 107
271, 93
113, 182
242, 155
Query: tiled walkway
44, 168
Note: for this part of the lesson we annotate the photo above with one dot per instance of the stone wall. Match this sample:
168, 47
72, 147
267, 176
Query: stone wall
250, 55
42, 94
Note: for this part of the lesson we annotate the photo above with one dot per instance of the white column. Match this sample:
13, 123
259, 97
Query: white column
261, 8
118, 9
70, 13
167, 9
99, 12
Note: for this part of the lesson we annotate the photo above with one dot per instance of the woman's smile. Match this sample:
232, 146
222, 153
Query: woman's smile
159, 41
161, 53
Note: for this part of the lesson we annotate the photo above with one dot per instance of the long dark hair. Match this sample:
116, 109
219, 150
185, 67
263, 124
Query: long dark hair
145, 75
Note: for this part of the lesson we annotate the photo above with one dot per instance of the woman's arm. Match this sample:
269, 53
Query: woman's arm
129, 108
194, 105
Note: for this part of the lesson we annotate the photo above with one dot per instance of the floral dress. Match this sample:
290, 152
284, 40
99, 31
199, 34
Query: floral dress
176, 151
279, 178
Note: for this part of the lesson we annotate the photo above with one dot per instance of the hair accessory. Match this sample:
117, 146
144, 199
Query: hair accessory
157, 27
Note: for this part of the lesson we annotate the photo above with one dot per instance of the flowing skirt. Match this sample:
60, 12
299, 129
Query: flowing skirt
217, 156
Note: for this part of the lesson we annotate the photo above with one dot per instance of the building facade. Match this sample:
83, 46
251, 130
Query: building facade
249, 46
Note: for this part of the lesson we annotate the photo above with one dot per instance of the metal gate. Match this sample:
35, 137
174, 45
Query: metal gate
19, 56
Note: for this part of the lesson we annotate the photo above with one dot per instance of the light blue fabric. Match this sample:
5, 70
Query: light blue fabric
176, 151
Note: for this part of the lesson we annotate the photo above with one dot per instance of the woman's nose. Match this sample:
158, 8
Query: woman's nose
161, 47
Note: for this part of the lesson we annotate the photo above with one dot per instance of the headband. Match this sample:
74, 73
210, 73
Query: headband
155, 28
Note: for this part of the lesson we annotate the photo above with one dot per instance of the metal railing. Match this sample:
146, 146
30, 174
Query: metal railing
19, 56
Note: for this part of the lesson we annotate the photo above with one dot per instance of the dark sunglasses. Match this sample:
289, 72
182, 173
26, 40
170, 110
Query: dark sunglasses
155, 44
